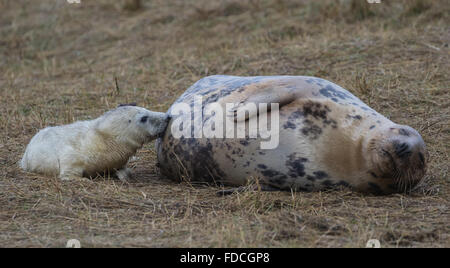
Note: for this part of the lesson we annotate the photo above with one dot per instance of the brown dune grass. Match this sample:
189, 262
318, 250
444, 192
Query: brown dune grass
59, 63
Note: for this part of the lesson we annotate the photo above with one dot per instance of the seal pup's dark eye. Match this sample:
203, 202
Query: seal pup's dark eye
144, 119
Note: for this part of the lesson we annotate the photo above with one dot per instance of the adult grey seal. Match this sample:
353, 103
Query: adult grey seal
327, 138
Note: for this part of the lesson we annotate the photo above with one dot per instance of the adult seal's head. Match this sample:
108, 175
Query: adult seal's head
324, 137
397, 155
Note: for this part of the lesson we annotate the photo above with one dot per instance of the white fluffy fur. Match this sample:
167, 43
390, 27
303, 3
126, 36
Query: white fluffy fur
86, 148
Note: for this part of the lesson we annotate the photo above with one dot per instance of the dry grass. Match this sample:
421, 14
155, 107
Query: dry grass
59, 63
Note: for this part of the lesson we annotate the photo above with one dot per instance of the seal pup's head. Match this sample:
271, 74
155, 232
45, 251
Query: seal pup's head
398, 158
133, 123
154, 123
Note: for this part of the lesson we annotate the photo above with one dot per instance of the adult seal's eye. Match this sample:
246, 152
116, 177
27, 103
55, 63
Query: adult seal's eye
144, 119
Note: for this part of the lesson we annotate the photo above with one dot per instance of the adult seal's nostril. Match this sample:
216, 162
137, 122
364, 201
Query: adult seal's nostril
402, 150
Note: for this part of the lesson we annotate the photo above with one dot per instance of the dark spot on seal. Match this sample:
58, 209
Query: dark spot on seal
331, 122
295, 115
314, 109
237, 151
316, 81
372, 127
309, 81
330, 92
270, 173
129, 121
355, 117
311, 130
212, 98
262, 166
289, 125
296, 165
274, 176
192, 161
229, 148
244, 142
373, 174
320, 174
203, 164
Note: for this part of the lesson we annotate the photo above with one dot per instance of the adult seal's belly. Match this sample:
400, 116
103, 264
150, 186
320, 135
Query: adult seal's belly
327, 138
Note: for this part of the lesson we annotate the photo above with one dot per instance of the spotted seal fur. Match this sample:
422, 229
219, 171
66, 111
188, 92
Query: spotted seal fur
328, 138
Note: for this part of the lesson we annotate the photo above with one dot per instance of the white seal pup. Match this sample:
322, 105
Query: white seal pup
89, 148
